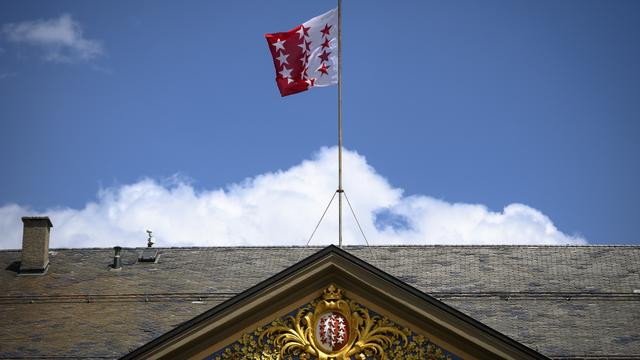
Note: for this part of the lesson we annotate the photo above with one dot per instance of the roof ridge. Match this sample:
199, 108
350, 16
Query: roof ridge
351, 247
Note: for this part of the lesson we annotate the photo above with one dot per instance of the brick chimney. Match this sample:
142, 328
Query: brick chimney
35, 245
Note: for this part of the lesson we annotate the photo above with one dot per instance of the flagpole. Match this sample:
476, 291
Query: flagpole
340, 190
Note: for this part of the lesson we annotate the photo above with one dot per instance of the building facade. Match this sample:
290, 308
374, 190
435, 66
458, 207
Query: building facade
413, 302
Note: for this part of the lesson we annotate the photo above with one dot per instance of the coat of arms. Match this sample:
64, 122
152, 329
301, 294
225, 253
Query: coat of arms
332, 327
333, 330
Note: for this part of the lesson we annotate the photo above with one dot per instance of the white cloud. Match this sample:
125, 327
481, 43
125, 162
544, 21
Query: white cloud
282, 208
61, 39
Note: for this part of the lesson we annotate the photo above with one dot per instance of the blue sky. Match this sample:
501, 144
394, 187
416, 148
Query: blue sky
487, 103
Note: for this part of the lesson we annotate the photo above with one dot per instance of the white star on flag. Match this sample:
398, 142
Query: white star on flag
283, 58
279, 45
286, 73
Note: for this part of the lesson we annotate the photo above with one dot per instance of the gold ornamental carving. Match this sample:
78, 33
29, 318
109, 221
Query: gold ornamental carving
332, 327
362, 335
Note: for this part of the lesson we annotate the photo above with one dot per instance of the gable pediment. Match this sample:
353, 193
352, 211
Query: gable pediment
288, 315
332, 326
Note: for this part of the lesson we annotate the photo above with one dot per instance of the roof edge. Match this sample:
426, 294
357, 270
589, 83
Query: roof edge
347, 247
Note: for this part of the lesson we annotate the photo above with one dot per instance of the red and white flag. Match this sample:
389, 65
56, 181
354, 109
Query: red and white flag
307, 55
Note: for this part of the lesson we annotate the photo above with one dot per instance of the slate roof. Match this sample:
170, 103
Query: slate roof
564, 301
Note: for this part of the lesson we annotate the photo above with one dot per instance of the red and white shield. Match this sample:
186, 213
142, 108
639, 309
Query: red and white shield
332, 331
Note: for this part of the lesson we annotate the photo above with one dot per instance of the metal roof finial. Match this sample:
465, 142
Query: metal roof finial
149, 241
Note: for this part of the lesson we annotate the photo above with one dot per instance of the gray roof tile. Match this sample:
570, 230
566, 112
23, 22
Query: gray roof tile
566, 301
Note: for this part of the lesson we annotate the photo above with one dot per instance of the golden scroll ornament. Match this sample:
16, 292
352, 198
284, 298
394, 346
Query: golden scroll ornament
334, 330
332, 327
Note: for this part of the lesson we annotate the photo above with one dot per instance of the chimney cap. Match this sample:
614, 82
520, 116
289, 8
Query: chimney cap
35, 219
